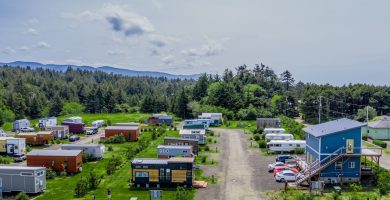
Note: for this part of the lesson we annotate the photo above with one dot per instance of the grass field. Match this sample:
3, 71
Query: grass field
247, 125
63, 187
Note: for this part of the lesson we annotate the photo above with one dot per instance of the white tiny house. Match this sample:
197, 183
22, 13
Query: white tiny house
285, 145
279, 136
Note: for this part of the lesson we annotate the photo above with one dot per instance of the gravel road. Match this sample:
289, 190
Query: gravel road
244, 174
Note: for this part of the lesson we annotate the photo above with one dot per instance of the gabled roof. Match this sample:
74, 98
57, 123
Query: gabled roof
385, 123
332, 127
122, 128
158, 161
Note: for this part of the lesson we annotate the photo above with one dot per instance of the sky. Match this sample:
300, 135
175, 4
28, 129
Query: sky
332, 41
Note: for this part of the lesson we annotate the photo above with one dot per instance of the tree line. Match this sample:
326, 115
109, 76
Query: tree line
243, 93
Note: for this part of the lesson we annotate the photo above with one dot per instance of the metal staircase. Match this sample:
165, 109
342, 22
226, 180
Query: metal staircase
317, 166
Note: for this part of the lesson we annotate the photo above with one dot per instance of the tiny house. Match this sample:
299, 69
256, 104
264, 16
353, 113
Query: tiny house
131, 133
74, 127
30, 180
198, 134
12, 146
74, 120
95, 150
165, 151
160, 120
59, 132
162, 172
274, 130
378, 130
268, 122
39, 138
97, 123
21, 123
47, 122
58, 160
194, 122
178, 141
285, 145
279, 136
215, 118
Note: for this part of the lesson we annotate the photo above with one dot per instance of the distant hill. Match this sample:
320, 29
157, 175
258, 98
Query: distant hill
107, 69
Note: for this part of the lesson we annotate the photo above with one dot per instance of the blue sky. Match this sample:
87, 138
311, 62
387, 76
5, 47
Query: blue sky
318, 41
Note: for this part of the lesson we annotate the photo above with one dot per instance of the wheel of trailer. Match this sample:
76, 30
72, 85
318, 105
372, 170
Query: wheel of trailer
282, 180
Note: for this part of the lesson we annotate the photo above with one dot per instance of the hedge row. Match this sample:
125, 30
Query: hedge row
380, 143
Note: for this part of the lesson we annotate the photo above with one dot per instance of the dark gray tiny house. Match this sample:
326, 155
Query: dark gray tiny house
23, 179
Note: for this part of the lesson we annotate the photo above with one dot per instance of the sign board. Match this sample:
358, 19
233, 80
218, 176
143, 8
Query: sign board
155, 194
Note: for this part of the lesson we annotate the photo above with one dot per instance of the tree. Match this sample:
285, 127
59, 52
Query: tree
72, 108
22, 196
94, 180
182, 101
200, 88
56, 106
287, 79
384, 183
362, 114
81, 188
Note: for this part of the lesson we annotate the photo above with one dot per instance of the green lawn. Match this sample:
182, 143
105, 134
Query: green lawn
247, 125
63, 188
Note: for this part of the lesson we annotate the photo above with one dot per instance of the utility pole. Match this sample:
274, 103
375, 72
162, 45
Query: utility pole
367, 121
319, 111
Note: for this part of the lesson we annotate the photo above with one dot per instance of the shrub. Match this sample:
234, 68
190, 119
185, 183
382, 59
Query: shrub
258, 131
207, 148
384, 183
262, 144
94, 180
81, 188
6, 160
364, 137
130, 153
380, 143
256, 137
181, 194
203, 159
211, 133
305, 196
50, 174
299, 150
109, 148
116, 139
22, 196
87, 157
113, 164
355, 187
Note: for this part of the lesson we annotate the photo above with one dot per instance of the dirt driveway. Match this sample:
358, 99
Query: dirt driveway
243, 171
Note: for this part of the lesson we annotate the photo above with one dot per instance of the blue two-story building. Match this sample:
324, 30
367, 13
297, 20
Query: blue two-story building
333, 151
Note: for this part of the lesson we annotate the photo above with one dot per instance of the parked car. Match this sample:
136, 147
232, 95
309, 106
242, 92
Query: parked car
286, 175
74, 138
19, 158
272, 166
92, 131
283, 168
27, 129
283, 158
291, 163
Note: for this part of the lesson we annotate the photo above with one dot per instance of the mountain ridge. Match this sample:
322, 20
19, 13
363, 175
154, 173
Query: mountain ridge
107, 69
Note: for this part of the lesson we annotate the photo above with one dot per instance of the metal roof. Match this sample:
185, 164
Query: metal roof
332, 127
287, 142
13, 167
82, 145
149, 161
173, 147
385, 124
181, 160
54, 153
192, 131
122, 128
179, 138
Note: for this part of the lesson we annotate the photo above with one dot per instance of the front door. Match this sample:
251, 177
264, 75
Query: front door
349, 146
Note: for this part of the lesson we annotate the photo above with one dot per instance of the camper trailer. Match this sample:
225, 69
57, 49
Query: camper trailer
274, 130
95, 150
97, 123
285, 145
47, 122
23, 179
279, 136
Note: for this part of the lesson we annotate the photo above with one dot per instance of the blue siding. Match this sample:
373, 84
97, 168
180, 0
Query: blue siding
174, 152
330, 143
312, 142
345, 171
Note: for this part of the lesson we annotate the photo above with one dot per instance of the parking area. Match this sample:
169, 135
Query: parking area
242, 170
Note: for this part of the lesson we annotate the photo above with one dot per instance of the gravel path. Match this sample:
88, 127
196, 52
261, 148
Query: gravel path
243, 171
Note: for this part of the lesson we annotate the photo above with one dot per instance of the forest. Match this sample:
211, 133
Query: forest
243, 94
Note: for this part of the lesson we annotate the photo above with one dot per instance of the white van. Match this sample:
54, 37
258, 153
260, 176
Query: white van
285, 145
279, 136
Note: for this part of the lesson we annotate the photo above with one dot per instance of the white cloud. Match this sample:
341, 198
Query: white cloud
211, 48
32, 31
161, 40
23, 48
168, 59
42, 44
33, 21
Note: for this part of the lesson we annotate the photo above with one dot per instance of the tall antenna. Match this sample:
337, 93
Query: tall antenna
319, 111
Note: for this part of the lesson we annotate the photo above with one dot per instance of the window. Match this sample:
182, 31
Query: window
185, 151
141, 174
339, 165
39, 173
290, 145
298, 145
277, 145
161, 172
351, 165
168, 172
26, 174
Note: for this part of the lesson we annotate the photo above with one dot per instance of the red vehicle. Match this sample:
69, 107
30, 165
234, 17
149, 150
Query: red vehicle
282, 168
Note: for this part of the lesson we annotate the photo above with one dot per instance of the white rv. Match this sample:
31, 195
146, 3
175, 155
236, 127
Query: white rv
279, 136
274, 130
285, 145
97, 123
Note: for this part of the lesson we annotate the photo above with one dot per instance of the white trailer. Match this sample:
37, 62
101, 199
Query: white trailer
274, 130
279, 136
16, 146
97, 123
285, 145
95, 150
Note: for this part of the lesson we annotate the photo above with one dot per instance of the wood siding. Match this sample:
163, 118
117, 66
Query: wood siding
74, 162
130, 135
